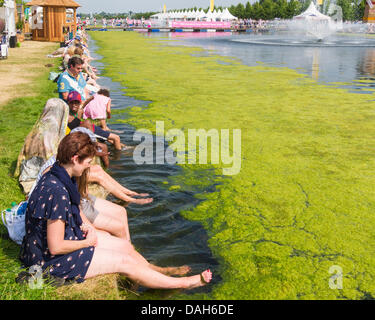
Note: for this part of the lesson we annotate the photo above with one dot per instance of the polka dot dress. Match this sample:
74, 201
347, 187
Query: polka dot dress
50, 201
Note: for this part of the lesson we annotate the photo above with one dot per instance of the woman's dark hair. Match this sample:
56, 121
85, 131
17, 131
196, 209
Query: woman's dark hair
104, 92
76, 143
75, 61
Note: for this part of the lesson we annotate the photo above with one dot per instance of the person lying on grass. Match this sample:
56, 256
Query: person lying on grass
61, 240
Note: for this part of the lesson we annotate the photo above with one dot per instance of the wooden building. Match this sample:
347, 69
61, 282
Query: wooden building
55, 21
369, 16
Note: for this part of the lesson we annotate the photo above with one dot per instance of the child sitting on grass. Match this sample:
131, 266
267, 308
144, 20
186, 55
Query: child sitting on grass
74, 120
99, 108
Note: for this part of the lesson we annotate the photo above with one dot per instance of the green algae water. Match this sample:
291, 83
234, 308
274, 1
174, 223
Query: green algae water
302, 204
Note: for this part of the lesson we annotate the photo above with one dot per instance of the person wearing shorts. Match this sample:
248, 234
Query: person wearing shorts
75, 120
88, 208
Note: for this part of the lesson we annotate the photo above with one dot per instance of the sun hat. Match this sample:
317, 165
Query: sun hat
87, 131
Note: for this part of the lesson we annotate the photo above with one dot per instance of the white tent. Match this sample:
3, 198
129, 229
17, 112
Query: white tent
191, 14
10, 21
209, 16
195, 15
175, 15
314, 23
214, 15
227, 16
157, 16
182, 15
200, 14
312, 13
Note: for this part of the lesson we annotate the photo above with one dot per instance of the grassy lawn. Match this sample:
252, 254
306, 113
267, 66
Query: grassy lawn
19, 114
304, 198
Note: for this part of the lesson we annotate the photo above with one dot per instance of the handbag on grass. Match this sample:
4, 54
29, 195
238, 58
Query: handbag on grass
14, 221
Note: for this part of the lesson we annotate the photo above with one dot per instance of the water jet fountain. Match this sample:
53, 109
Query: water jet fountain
314, 29
314, 23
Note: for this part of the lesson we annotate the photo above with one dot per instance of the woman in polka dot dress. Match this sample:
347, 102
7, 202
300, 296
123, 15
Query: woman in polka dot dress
55, 239
61, 240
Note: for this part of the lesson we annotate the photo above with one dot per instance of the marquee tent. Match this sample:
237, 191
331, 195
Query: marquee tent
227, 16
195, 15
312, 13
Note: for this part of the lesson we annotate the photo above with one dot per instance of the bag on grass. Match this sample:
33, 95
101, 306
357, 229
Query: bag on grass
14, 221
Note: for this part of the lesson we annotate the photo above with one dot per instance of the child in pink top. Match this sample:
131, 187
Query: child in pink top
99, 108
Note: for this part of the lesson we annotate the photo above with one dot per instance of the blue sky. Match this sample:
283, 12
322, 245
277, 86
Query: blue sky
93, 6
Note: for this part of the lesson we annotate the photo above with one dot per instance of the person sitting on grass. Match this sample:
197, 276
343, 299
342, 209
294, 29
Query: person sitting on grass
78, 51
61, 240
99, 108
72, 80
88, 71
67, 56
102, 150
103, 153
75, 120
103, 214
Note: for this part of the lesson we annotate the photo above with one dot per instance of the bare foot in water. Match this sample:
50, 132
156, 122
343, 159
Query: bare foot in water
200, 280
172, 271
177, 271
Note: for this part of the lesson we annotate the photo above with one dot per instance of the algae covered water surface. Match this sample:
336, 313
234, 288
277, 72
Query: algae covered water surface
301, 206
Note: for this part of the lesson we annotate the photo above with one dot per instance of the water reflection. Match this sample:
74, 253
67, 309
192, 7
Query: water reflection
340, 59
367, 64
315, 64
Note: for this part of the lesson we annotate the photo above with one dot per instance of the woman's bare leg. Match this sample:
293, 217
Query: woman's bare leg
115, 140
110, 242
98, 175
112, 218
107, 261
104, 154
103, 124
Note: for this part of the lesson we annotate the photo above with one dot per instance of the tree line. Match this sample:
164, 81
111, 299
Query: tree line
352, 10
108, 16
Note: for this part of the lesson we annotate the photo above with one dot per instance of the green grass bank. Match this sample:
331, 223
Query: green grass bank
304, 198
17, 119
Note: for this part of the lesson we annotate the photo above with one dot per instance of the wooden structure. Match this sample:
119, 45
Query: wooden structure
369, 15
58, 20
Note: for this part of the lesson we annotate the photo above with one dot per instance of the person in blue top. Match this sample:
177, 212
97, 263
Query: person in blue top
72, 80
62, 241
